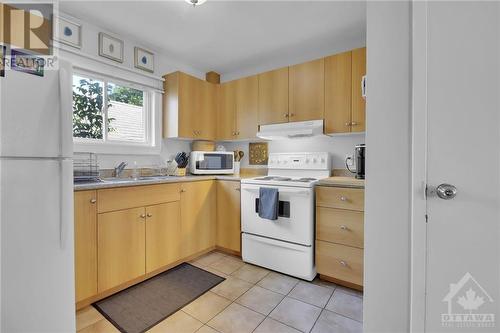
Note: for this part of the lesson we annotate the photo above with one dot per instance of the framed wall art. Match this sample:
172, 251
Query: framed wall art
68, 32
27, 63
144, 60
110, 47
2, 60
258, 153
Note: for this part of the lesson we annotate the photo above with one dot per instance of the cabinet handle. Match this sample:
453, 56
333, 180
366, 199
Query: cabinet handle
348, 124
143, 216
343, 263
285, 115
238, 189
292, 114
343, 227
354, 123
149, 215
237, 133
93, 200
183, 190
342, 198
234, 133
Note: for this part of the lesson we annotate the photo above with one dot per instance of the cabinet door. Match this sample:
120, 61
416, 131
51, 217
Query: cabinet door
85, 244
228, 215
121, 246
226, 112
198, 214
163, 230
358, 102
208, 109
307, 91
273, 97
338, 86
247, 94
189, 101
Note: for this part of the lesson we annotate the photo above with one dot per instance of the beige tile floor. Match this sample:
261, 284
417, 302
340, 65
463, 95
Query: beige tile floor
253, 299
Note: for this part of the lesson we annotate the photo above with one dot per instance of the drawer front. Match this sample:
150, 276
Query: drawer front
340, 226
340, 262
341, 197
136, 196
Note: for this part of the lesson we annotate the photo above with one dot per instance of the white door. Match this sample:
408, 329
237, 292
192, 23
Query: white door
463, 150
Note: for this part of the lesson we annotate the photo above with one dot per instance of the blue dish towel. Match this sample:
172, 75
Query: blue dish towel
268, 203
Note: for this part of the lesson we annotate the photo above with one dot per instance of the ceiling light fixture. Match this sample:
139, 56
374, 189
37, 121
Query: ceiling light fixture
195, 2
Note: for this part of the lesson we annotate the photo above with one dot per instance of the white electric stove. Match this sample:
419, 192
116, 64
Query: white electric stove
287, 244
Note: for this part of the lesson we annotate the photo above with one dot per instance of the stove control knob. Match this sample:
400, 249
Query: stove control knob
277, 161
315, 160
307, 160
322, 160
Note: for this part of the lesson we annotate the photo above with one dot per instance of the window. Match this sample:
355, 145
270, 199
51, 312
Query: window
109, 112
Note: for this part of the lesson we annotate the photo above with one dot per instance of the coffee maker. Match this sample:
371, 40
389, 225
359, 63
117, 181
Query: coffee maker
359, 157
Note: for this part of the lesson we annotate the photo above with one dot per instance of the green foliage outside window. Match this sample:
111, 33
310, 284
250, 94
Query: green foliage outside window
125, 95
88, 100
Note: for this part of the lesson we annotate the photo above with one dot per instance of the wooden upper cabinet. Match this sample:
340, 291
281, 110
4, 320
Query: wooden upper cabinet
273, 97
85, 244
163, 230
188, 108
338, 91
358, 102
226, 113
121, 246
247, 94
307, 91
228, 215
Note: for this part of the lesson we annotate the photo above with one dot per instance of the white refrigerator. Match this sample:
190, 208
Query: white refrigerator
36, 203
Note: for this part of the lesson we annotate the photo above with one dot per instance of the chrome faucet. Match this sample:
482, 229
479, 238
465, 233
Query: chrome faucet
119, 169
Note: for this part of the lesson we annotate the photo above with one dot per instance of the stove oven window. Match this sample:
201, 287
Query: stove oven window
283, 208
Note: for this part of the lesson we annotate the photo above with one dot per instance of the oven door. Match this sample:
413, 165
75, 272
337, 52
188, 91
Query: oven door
295, 223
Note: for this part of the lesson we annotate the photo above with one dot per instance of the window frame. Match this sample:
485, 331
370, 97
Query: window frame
151, 113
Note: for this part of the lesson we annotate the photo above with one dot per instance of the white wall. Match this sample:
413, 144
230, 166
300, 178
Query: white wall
338, 146
387, 192
163, 64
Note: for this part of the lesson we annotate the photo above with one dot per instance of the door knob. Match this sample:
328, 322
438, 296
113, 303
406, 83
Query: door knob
446, 191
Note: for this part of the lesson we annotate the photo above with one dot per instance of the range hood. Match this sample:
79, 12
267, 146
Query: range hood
292, 130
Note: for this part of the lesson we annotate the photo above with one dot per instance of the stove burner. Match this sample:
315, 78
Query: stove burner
287, 179
305, 179
274, 178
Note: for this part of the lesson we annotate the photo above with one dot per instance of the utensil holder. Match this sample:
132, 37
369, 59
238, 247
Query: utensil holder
236, 168
180, 172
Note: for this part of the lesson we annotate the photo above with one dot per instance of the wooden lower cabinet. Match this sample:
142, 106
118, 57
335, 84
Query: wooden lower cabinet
344, 263
340, 235
163, 227
121, 246
228, 215
198, 216
85, 244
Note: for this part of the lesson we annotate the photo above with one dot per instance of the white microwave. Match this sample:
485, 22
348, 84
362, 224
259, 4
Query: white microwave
211, 162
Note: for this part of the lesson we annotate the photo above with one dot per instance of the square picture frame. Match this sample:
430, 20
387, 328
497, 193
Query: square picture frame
68, 32
258, 153
110, 47
144, 59
27, 63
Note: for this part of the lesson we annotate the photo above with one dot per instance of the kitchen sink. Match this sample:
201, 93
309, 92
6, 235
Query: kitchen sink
121, 180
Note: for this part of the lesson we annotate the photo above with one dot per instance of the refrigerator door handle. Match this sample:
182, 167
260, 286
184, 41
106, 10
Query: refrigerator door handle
66, 108
66, 201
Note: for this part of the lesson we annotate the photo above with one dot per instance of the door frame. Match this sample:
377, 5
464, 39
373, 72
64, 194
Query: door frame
419, 128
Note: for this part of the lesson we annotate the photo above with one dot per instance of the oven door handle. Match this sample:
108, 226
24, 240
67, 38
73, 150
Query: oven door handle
287, 191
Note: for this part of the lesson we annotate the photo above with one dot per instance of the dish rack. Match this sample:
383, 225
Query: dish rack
85, 167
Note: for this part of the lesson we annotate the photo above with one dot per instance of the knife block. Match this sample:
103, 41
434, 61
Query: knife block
180, 172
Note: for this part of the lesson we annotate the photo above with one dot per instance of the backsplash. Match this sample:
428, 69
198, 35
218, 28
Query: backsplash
338, 146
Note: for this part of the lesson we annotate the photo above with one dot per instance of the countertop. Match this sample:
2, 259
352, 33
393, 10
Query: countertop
163, 180
342, 182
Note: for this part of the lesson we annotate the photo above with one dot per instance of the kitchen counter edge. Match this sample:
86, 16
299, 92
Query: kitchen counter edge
342, 182
140, 182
